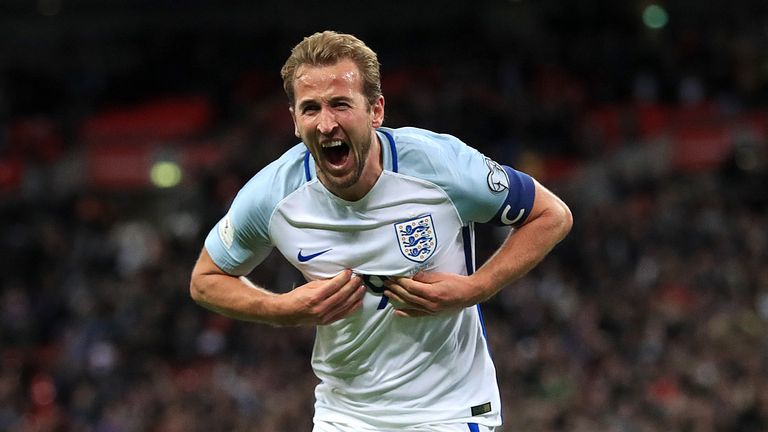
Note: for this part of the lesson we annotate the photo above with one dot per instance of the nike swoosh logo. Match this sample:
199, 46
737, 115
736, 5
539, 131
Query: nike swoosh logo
506, 220
305, 258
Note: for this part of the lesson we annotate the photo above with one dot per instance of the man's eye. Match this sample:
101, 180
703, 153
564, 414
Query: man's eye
309, 110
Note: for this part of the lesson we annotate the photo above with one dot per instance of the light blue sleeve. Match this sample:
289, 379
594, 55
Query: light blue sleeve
240, 240
481, 189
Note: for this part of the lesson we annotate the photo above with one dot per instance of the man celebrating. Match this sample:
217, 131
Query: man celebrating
380, 223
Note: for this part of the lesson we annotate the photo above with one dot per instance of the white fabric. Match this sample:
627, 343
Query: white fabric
321, 426
376, 369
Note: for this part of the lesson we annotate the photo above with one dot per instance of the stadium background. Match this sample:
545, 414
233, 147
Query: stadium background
127, 126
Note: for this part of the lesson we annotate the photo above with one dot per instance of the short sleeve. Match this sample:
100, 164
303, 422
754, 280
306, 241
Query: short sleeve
237, 243
488, 192
481, 189
241, 239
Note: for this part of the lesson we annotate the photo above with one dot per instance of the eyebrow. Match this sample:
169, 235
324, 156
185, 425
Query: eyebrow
303, 104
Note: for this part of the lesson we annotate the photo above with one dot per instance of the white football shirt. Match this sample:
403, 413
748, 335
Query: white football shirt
377, 369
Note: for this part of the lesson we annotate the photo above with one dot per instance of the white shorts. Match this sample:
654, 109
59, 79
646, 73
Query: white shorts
323, 426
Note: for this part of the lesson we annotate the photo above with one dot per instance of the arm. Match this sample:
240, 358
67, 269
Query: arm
427, 293
550, 221
316, 302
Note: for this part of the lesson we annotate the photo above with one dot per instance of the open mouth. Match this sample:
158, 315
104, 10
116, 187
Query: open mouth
335, 152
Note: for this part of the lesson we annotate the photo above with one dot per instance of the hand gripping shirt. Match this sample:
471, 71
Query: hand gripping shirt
376, 369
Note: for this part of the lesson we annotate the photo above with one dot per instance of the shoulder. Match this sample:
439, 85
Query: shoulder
424, 153
240, 240
276, 180
477, 185
423, 141
254, 204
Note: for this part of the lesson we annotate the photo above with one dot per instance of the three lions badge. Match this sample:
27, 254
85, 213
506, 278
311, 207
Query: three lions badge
417, 238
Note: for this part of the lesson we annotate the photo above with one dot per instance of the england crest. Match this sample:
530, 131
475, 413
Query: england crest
417, 238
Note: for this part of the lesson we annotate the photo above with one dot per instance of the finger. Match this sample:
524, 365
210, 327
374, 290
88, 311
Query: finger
346, 290
411, 313
392, 296
399, 303
340, 279
350, 305
398, 294
355, 297
412, 286
325, 288
405, 295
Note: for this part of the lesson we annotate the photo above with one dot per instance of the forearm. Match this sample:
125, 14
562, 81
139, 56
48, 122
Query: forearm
526, 246
316, 302
232, 297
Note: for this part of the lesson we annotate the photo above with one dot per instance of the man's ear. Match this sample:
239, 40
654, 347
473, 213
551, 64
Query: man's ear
295, 126
377, 109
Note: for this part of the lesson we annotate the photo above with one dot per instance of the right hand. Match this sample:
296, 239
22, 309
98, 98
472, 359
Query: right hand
321, 302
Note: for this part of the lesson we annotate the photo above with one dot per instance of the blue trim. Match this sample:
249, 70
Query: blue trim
473, 427
392, 148
306, 166
466, 236
383, 302
482, 326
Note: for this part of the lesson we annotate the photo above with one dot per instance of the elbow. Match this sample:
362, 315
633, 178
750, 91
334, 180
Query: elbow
565, 220
196, 289
556, 219
560, 220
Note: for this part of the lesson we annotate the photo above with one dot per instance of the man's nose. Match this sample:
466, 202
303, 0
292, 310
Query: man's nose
326, 122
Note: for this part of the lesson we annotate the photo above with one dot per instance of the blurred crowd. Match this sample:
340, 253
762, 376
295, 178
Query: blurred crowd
651, 316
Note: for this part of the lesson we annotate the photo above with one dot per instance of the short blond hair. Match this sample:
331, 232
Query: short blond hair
327, 48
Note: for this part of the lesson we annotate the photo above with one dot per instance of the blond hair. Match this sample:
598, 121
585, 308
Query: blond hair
327, 48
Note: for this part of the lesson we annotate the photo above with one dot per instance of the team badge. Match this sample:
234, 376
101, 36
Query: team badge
417, 238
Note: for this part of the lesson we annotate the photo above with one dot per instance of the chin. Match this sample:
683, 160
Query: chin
344, 181
344, 184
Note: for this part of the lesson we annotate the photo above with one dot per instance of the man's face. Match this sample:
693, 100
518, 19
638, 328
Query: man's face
333, 118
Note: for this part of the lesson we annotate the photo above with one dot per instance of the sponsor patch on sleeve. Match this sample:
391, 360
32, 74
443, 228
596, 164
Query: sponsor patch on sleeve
226, 231
498, 181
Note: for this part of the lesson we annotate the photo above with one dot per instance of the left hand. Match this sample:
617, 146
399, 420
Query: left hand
428, 293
